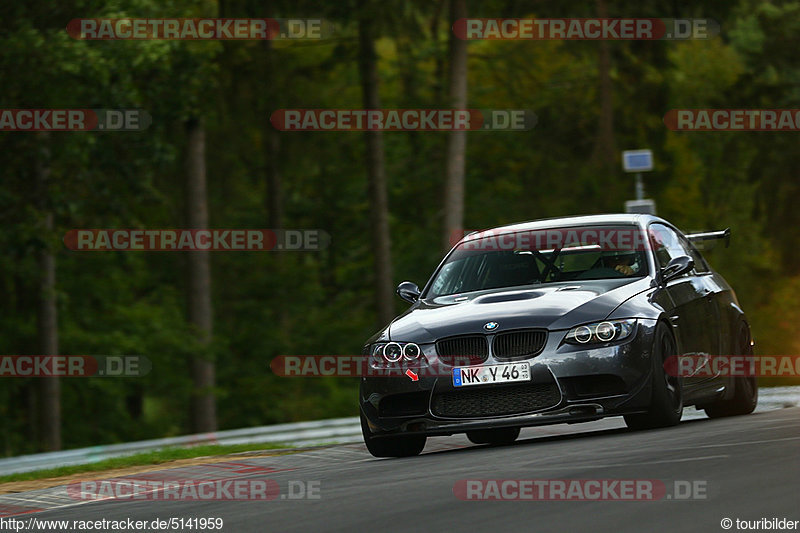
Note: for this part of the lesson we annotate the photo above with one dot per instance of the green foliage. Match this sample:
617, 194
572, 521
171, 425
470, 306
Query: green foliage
304, 303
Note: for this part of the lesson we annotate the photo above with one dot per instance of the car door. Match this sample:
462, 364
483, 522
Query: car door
691, 312
710, 290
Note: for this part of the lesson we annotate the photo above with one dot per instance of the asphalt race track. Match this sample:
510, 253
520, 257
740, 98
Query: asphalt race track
744, 467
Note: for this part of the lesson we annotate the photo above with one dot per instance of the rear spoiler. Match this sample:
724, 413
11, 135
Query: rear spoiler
711, 235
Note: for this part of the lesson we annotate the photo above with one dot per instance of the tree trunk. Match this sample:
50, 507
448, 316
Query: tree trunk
456, 140
47, 319
204, 411
605, 150
439, 60
271, 142
376, 175
274, 185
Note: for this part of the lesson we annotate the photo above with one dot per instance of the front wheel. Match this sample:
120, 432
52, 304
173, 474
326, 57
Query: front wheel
398, 446
666, 402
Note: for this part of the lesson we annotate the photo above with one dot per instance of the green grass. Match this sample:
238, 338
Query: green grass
139, 459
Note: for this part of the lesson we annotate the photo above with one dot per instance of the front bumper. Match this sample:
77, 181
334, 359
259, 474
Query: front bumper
569, 384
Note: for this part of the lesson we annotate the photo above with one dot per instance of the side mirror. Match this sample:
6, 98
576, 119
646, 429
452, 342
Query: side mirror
677, 267
408, 291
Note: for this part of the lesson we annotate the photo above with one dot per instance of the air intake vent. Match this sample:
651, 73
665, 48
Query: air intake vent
519, 344
463, 351
478, 401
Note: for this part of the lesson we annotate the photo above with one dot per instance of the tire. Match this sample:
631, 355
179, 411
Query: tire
666, 402
745, 389
497, 437
402, 446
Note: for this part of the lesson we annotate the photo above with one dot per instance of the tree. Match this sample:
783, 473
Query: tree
457, 140
47, 324
605, 150
376, 170
204, 413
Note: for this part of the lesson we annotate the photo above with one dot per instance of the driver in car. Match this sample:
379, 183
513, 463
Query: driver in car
622, 263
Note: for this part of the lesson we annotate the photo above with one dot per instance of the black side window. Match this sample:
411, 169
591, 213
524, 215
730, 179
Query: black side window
700, 265
666, 244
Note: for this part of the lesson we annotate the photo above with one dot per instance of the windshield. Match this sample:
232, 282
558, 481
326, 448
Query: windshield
543, 256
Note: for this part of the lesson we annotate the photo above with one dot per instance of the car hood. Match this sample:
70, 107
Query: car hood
555, 307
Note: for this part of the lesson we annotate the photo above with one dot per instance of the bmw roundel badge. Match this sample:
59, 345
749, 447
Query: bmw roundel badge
489, 326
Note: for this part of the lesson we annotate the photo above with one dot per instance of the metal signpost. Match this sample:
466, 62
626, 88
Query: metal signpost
639, 161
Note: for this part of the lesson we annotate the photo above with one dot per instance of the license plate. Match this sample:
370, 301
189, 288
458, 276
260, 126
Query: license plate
488, 374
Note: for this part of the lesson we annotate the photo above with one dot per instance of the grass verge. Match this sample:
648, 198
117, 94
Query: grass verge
146, 458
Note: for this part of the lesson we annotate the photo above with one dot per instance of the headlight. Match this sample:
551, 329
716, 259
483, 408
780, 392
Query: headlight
392, 352
411, 351
599, 332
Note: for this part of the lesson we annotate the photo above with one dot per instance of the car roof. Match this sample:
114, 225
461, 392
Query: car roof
580, 220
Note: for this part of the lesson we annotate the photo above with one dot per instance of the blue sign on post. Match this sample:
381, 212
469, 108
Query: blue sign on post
637, 160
